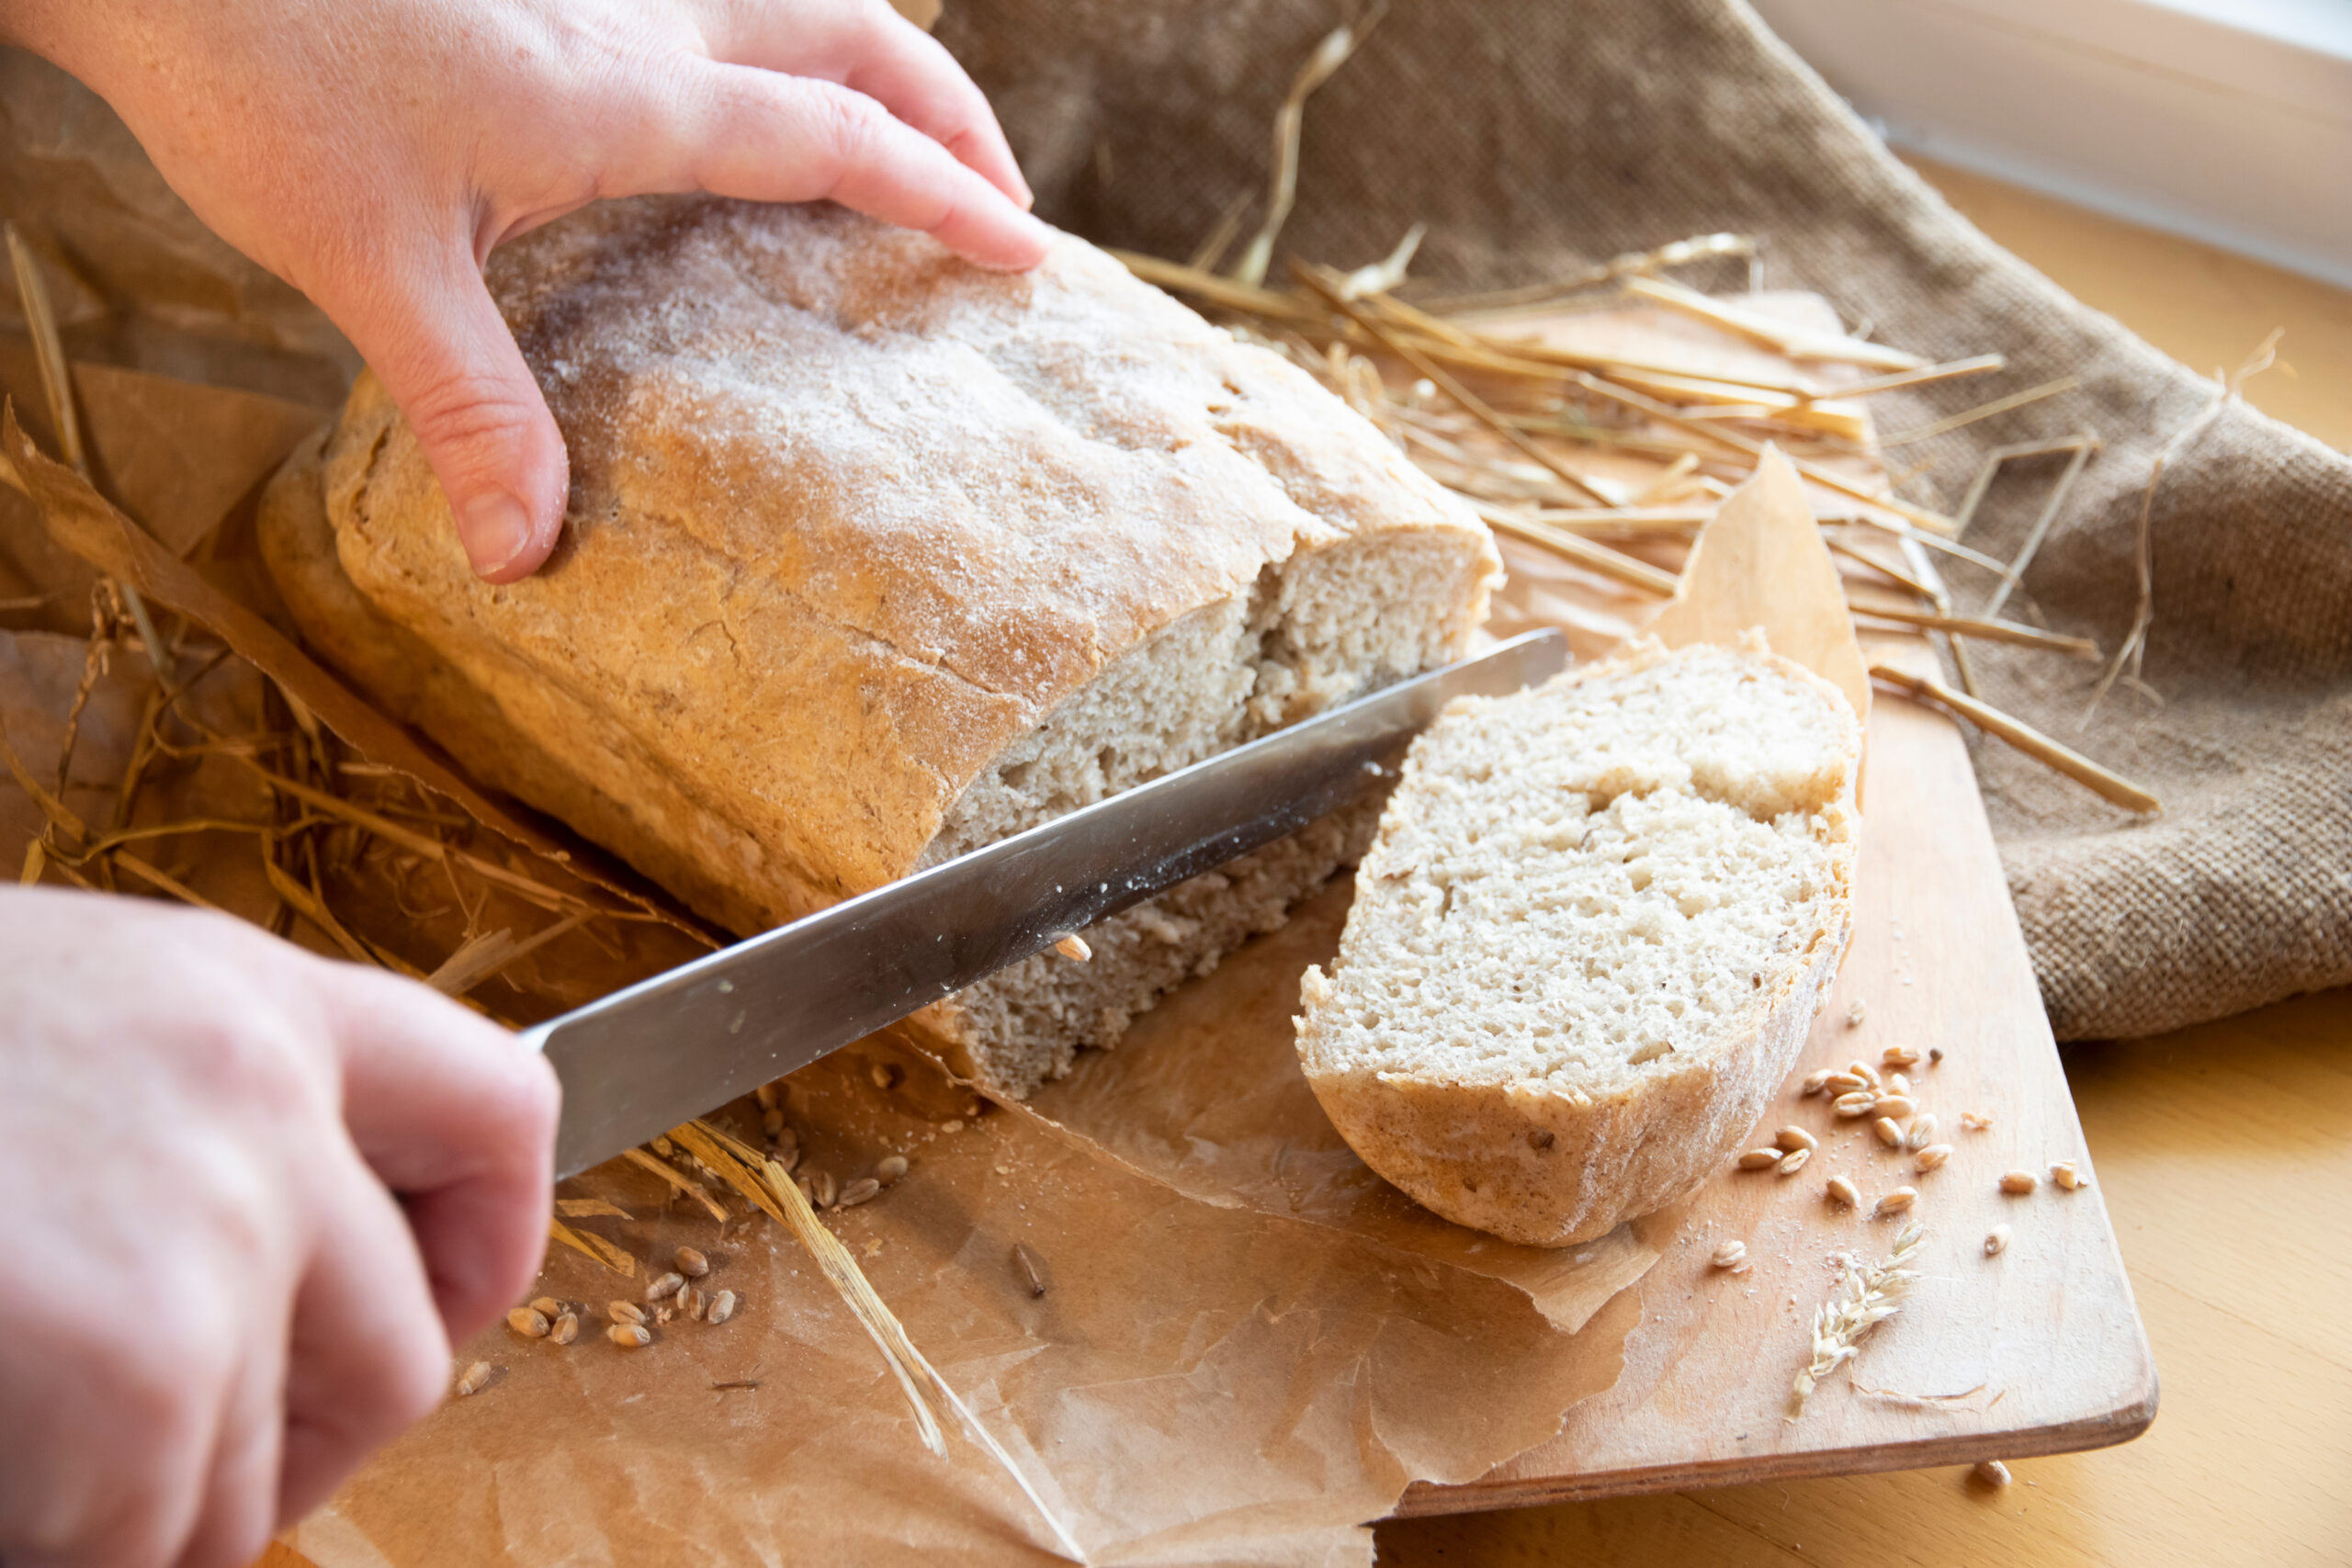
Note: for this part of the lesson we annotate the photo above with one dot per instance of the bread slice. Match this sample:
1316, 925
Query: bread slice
873, 558
1587, 944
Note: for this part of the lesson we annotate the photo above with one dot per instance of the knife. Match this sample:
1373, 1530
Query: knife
665, 1050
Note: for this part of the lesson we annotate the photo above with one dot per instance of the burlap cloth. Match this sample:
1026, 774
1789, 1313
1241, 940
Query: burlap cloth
1533, 137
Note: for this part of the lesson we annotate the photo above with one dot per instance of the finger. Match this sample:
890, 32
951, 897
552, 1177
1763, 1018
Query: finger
869, 48
366, 1356
428, 329
240, 1494
762, 137
457, 1117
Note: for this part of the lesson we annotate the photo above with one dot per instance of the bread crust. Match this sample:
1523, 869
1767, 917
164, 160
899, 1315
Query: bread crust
848, 518
1532, 1164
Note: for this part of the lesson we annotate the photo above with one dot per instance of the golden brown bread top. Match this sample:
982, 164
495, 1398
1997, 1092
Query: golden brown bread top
848, 516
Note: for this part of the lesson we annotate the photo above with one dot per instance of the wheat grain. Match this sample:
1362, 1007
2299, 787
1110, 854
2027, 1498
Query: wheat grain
1931, 1157
1991, 1471
690, 1262
1895, 1202
1997, 1241
471, 1380
1842, 1191
624, 1311
1854, 1015
629, 1335
1073, 947
1759, 1159
2017, 1183
564, 1329
666, 1285
1858, 1103
1730, 1254
721, 1307
528, 1323
1899, 1056
1889, 1132
1793, 1162
1817, 1080
890, 1169
1793, 1137
1921, 1133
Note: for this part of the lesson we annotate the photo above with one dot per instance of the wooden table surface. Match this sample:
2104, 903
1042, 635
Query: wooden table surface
2225, 1155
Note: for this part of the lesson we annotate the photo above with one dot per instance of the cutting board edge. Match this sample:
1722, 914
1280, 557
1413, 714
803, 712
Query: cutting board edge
2102, 1429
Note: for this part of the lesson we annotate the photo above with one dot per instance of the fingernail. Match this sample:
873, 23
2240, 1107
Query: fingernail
496, 530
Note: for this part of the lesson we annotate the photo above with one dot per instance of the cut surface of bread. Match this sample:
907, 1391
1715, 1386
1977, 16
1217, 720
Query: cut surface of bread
1597, 920
872, 557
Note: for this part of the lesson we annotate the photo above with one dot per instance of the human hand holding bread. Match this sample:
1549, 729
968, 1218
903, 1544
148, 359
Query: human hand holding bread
373, 152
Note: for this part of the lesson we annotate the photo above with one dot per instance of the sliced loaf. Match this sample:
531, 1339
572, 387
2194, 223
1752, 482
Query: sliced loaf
1597, 921
873, 558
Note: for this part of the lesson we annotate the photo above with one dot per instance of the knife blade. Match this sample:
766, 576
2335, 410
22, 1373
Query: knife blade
658, 1052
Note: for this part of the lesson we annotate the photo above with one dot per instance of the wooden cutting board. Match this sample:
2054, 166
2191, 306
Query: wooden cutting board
2037, 1351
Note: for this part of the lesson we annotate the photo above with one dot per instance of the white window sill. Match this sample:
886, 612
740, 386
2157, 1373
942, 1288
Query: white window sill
2226, 120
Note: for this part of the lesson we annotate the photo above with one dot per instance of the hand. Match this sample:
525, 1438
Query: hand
253, 1198
371, 152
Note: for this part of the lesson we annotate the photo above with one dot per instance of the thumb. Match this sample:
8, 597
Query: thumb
440, 348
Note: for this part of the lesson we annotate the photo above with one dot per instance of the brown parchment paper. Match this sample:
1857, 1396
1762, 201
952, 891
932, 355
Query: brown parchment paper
1196, 1384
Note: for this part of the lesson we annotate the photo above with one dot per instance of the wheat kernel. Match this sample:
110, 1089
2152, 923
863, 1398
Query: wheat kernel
1863, 1071
1073, 947
1929, 1158
1817, 1080
690, 1262
771, 1122
1730, 1254
1974, 1122
624, 1312
1793, 1162
1992, 1473
1795, 1138
664, 1285
471, 1380
1854, 1014
1858, 1103
1899, 1056
1897, 1105
890, 1169
2017, 1183
883, 1073
691, 1303
1841, 1191
564, 1329
2064, 1173
1896, 1201
1759, 1159
859, 1191
629, 1335
765, 1094
827, 1189
547, 1307
528, 1323
1922, 1130
1898, 1083
1842, 1082
1889, 1132
1997, 1241
721, 1307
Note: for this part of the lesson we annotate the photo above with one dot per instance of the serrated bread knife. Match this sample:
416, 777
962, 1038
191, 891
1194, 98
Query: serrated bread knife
667, 1049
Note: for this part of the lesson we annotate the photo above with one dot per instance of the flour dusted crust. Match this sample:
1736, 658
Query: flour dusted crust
1558, 1150
872, 555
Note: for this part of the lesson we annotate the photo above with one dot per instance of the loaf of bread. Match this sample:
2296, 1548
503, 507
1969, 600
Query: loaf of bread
872, 557
1587, 944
